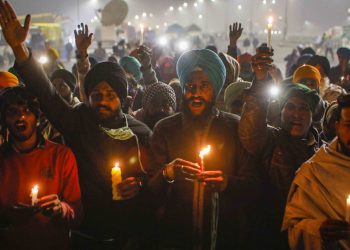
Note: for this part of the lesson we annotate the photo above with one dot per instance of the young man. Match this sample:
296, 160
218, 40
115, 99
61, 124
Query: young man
206, 208
316, 212
100, 135
280, 150
26, 160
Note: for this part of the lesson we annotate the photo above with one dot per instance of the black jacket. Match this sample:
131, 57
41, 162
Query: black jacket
174, 138
96, 154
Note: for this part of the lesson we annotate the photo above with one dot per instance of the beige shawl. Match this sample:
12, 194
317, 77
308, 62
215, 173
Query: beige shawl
318, 192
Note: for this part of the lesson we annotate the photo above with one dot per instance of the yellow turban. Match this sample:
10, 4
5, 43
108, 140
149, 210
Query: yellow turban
307, 71
8, 80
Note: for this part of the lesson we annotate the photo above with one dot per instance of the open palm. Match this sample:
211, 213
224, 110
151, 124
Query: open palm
15, 34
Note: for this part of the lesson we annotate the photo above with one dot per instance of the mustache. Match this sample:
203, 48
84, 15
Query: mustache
196, 98
102, 106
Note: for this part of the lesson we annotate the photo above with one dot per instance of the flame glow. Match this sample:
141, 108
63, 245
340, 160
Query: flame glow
204, 151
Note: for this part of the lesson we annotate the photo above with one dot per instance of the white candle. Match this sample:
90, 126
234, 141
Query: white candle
202, 153
269, 31
116, 179
141, 33
347, 217
34, 194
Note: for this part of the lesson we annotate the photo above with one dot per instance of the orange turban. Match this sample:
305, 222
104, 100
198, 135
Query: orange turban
8, 79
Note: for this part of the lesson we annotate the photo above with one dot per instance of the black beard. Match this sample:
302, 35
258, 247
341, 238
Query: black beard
343, 147
197, 121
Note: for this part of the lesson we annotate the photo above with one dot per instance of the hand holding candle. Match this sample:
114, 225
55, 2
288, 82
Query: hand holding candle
34, 194
116, 179
202, 153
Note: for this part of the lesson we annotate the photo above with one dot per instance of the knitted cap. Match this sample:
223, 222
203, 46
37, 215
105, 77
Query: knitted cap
65, 75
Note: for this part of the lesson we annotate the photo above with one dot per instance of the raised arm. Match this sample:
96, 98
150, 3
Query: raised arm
83, 41
235, 32
253, 130
145, 58
31, 72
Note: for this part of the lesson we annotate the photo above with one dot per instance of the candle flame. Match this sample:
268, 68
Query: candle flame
270, 20
204, 151
141, 27
116, 166
35, 189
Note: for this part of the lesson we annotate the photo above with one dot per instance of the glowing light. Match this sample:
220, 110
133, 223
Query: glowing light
273, 1
163, 41
43, 59
150, 14
165, 24
171, 8
144, 14
183, 45
200, 16
239, 7
180, 8
274, 91
34, 194
204, 151
157, 27
137, 17
195, 5
270, 19
129, 23
201, 1
185, 4
264, 2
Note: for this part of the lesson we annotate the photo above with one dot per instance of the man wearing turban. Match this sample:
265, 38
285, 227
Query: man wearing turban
100, 135
279, 150
200, 208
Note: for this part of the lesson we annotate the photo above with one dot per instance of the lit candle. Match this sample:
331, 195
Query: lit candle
269, 30
116, 179
202, 153
34, 194
141, 32
347, 217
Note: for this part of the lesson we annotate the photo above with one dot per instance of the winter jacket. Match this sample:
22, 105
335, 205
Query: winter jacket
279, 156
175, 138
96, 154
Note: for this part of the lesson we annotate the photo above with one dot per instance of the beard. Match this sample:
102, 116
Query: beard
344, 146
104, 113
197, 121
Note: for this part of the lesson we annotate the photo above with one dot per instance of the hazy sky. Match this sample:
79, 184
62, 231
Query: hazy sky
320, 14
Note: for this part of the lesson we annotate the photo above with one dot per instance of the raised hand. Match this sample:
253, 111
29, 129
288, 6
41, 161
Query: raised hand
15, 34
235, 33
262, 62
144, 55
82, 39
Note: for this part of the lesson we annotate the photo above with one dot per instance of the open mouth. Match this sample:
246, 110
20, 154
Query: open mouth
20, 126
197, 103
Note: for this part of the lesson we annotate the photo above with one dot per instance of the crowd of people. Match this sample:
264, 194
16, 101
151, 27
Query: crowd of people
207, 158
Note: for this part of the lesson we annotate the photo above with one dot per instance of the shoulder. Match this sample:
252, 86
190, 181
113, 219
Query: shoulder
57, 149
169, 123
139, 128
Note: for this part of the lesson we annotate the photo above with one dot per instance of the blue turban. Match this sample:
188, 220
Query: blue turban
205, 59
131, 65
